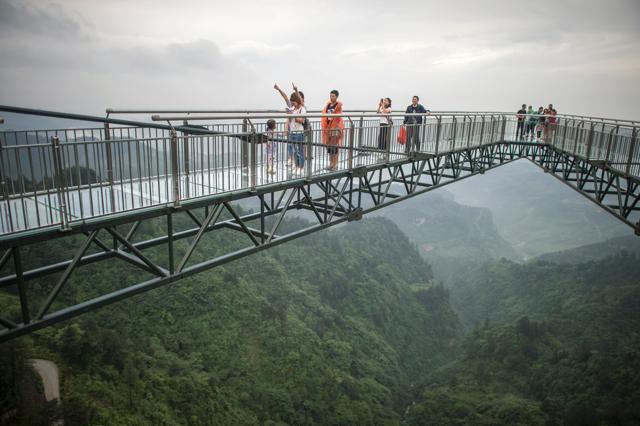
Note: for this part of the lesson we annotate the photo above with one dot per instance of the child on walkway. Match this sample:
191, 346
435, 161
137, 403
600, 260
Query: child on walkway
271, 145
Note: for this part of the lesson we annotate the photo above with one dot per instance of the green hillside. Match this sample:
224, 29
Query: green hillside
551, 344
332, 329
451, 236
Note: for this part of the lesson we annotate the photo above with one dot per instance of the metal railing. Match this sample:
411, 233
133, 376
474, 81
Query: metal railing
63, 176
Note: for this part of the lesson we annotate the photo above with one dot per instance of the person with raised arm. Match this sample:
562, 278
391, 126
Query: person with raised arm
295, 128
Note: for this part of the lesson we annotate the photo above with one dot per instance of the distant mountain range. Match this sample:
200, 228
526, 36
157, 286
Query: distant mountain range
515, 212
535, 212
594, 252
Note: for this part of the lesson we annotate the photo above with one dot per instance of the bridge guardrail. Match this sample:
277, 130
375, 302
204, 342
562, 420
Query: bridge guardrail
60, 176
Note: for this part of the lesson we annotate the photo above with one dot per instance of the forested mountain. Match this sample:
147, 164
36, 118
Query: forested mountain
451, 236
335, 328
551, 344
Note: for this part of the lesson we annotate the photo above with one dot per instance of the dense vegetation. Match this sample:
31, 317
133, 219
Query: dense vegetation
551, 344
452, 237
332, 329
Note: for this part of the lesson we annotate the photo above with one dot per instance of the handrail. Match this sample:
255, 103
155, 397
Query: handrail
346, 111
367, 114
252, 113
96, 119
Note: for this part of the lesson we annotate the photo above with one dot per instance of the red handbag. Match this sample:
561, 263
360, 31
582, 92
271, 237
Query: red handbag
402, 135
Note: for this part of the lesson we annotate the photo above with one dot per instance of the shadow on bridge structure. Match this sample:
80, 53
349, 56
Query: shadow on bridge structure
93, 186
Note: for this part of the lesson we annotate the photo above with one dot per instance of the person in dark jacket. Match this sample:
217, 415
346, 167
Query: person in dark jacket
414, 124
522, 116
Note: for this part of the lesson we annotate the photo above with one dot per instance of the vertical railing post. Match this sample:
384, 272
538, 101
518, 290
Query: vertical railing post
308, 148
175, 172
601, 148
455, 130
607, 156
472, 130
564, 135
423, 133
482, 130
109, 155
4, 186
254, 158
464, 124
60, 181
632, 147
351, 142
614, 146
185, 159
504, 127
244, 154
578, 133
360, 132
438, 130
590, 140
493, 129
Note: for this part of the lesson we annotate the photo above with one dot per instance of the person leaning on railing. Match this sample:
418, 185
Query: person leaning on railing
332, 128
384, 109
413, 123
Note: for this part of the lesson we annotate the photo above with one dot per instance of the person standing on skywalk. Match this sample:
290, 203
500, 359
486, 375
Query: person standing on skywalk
295, 129
332, 128
413, 124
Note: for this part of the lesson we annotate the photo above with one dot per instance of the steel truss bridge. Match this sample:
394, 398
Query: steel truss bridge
94, 185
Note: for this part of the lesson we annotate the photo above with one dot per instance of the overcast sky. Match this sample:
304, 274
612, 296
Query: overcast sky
84, 55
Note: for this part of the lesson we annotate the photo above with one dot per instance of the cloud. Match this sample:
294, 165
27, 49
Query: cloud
386, 49
102, 57
19, 19
471, 57
198, 54
252, 47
